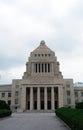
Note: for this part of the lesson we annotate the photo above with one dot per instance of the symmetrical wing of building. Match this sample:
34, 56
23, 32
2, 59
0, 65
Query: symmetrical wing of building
42, 86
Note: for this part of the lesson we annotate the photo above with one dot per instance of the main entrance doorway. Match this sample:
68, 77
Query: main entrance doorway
42, 98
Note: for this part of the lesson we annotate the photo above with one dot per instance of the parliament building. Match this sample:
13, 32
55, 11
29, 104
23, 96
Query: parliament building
42, 87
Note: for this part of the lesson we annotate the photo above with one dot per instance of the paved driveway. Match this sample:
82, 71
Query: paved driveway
32, 121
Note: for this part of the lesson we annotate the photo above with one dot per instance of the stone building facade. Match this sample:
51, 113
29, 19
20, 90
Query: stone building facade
42, 87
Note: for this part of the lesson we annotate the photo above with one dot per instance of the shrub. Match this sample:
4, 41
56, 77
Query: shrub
4, 109
4, 105
72, 117
4, 113
79, 105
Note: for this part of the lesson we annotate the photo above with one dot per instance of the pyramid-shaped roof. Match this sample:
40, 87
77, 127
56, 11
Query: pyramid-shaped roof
42, 47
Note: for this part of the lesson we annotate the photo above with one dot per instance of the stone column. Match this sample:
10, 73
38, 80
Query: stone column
31, 98
52, 68
45, 98
43, 68
60, 96
38, 98
32, 67
52, 98
37, 68
40, 67
23, 98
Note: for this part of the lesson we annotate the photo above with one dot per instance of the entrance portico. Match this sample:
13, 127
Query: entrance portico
40, 98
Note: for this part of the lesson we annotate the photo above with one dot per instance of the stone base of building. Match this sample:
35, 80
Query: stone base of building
36, 111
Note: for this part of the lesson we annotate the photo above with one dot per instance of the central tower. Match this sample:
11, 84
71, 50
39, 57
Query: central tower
42, 64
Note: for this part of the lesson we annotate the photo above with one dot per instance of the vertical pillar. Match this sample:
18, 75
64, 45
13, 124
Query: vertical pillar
32, 68
40, 68
60, 96
52, 67
43, 67
52, 98
31, 98
49, 70
45, 98
23, 98
37, 68
38, 98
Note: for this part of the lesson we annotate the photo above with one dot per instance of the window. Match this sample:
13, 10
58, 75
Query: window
68, 85
45, 68
3, 94
48, 67
45, 54
68, 93
82, 94
39, 55
42, 67
39, 67
9, 94
76, 101
36, 68
17, 86
16, 108
68, 101
76, 94
35, 55
42, 55
16, 93
16, 101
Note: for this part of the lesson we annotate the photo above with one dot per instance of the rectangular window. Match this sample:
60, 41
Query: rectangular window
68, 101
16, 101
76, 94
35, 55
36, 68
68, 93
45, 67
17, 86
76, 101
82, 94
16, 93
42, 68
9, 94
3, 95
39, 68
48, 67
68, 85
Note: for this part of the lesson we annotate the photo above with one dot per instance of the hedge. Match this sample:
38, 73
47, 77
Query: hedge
4, 105
4, 109
72, 117
5, 112
79, 105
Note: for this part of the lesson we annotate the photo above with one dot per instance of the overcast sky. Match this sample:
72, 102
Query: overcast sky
24, 23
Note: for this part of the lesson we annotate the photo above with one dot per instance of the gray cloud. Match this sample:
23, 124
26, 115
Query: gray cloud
23, 24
